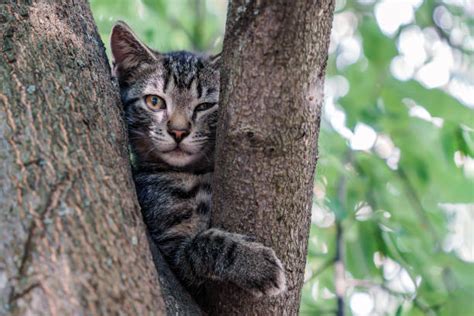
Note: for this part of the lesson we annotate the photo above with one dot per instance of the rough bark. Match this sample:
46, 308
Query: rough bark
72, 241
274, 63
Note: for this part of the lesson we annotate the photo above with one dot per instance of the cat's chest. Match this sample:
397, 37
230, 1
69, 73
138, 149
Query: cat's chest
190, 204
190, 189
175, 203
188, 182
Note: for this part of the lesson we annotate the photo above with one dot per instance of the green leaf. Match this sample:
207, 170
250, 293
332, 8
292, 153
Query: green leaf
378, 48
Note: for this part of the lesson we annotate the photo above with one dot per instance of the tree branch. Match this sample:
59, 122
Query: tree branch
340, 280
417, 205
339, 273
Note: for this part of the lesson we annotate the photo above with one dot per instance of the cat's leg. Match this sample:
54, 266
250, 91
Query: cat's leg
215, 254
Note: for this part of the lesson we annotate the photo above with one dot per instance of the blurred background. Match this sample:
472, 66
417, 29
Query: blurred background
393, 209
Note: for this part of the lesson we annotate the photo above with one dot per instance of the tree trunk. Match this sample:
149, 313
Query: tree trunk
274, 63
72, 241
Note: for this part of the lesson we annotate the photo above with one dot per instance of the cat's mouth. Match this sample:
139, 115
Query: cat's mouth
177, 151
178, 156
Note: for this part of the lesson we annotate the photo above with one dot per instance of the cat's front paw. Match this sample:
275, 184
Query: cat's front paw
262, 272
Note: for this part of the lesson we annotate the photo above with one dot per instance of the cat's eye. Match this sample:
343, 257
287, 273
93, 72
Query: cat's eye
204, 106
155, 103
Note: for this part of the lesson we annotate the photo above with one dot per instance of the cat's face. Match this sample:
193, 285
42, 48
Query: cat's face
170, 102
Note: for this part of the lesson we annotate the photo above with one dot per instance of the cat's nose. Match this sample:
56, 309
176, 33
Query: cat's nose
178, 134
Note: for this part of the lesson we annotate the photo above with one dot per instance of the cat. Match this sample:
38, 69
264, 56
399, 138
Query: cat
170, 103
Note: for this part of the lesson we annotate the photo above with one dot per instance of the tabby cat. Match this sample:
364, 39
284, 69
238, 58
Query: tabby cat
170, 102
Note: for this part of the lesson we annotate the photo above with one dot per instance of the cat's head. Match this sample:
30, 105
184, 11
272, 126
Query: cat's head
170, 101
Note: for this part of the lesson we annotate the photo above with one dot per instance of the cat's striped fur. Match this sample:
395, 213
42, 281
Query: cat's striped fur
173, 174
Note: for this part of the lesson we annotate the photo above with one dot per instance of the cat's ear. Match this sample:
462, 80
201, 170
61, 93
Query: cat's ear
127, 50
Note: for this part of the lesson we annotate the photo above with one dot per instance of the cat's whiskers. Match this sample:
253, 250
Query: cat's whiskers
199, 141
147, 154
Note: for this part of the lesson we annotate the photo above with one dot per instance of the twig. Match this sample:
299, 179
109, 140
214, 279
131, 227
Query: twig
417, 205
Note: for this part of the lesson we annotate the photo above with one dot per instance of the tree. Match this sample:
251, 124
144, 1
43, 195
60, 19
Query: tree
394, 186
72, 238
274, 60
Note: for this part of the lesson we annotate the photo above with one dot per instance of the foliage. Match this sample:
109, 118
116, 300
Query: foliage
166, 25
393, 191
